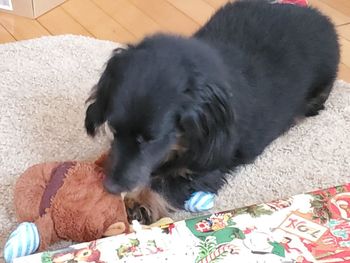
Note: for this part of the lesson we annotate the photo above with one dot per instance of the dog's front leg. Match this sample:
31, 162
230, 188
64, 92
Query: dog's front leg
178, 186
169, 192
146, 206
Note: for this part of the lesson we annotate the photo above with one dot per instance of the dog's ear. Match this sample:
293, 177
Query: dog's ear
96, 113
207, 123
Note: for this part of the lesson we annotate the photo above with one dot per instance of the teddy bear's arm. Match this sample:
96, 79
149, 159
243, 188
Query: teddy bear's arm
29, 190
30, 237
46, 231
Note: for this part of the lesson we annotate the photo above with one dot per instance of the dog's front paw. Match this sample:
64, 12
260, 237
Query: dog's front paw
137, 211
146, 206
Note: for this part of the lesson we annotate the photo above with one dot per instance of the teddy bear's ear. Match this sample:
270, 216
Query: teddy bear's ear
115, 229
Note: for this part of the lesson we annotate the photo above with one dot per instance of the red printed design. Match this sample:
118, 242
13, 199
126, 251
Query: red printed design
218, 252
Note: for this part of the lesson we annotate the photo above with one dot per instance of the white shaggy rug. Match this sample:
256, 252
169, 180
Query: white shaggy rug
44, 83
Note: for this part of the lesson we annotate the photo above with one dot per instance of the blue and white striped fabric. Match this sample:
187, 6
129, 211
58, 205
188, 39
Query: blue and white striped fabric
200, 201
22, 242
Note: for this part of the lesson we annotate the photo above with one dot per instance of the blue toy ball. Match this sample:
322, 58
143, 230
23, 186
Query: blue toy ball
200, 201
22, 242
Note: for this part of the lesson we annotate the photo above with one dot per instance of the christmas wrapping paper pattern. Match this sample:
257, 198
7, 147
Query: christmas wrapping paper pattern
313, 227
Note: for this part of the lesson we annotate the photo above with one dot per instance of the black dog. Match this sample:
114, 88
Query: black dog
184, 111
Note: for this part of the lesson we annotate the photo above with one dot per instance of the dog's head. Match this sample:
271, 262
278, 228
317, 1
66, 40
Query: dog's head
166, 96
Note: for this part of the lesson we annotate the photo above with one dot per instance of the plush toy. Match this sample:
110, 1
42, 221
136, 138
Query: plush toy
292, 2
200, 201
63, 200
66, 200
295, 2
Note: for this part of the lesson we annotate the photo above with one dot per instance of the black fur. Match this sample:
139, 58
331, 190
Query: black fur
221, 96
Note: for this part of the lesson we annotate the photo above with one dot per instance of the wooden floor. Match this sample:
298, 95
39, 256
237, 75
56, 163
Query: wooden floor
131, 20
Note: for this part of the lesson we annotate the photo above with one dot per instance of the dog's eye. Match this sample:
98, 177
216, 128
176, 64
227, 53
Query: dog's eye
140, 139
143, 139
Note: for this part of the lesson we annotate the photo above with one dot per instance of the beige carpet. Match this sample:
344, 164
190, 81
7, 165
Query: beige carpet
43, 86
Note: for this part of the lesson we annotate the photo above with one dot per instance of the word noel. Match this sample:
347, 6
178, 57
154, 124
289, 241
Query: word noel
302, 227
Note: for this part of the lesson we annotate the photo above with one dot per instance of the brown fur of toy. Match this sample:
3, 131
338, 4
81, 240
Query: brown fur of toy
80, 210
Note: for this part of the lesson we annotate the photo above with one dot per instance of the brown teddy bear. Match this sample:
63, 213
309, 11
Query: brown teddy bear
63, 200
